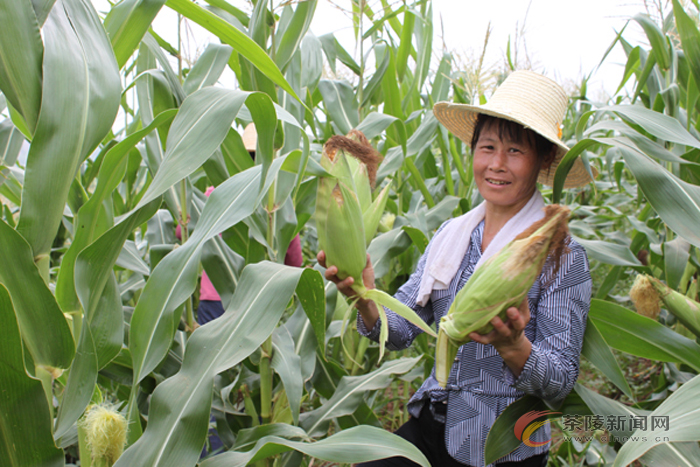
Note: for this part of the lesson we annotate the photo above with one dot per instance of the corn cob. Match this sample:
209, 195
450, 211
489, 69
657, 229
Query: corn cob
685, 309
500, 283
346, 222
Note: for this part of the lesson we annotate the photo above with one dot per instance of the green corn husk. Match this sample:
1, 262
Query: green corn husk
500, 283
345, 229
685, 309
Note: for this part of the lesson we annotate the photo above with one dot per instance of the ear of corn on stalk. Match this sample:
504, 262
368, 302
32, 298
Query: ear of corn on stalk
105, 432
685, 309
645, 297
347, 222
500, 283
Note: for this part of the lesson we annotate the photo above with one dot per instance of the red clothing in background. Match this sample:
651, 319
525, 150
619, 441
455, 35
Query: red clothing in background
207, 290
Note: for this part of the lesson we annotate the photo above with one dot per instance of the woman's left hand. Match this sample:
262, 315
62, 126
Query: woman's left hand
509, 338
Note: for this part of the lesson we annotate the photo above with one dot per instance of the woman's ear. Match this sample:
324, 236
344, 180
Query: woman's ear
549, 158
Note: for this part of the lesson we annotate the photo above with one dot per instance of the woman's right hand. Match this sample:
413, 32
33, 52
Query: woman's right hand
367, 308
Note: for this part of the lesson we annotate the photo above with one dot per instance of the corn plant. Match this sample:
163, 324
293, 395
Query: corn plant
124, 136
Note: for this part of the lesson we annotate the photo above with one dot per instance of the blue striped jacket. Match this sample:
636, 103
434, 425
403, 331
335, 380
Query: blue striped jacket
481, 386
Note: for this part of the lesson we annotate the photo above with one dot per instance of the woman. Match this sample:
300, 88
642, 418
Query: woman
515, 141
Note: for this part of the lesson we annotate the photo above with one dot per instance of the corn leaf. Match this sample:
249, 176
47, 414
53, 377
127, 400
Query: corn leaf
684, 414
657, 39
208, 68
676, 256
21, 52
127, 22
110, 175
341, 104
175, 277
24, 415
638, 335
358, 444
609, 253
690, 39
406, 46
676, 453
81, 92
293, 25
102, 332
235, 38
677, 202
178, 418
501, 440
223, 266
287, 365
42, 324
199, 129
599, 354
11, 140
657, 124
350, 393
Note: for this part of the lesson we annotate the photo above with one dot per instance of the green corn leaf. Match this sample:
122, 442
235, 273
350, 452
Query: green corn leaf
341, 104
358, 444
174, 279
690, 39
599, 354
638, 335
44, 329
235, 38
178, 418
292, 28
350, 393
127, 22
208, 68
21, 52
26, 435
102, 332
657, 39
683, 412
81, 92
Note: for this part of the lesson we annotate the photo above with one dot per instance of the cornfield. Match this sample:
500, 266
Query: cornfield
98, 295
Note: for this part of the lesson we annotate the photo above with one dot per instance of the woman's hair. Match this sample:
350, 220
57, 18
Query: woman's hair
509, 130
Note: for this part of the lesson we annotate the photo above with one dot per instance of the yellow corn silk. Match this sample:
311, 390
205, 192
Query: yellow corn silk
685, 309
500, 283
347, 219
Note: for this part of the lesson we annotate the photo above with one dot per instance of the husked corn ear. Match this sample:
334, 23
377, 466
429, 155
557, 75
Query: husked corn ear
500, 283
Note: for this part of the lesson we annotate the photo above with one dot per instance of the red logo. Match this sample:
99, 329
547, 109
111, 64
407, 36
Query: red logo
531, 422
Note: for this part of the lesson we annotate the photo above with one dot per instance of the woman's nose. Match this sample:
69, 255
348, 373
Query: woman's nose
498, 160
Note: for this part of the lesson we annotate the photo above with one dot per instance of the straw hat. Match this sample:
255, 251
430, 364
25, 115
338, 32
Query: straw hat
528, 98
250, 137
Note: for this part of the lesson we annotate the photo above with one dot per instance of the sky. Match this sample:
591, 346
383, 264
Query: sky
564, 39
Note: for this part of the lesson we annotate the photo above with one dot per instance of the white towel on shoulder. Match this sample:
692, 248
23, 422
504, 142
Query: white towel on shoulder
450, 245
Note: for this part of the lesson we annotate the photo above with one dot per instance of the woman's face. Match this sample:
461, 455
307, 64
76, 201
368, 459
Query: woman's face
505, 171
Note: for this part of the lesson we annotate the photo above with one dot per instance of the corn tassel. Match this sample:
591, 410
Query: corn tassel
500, 283
344, 229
